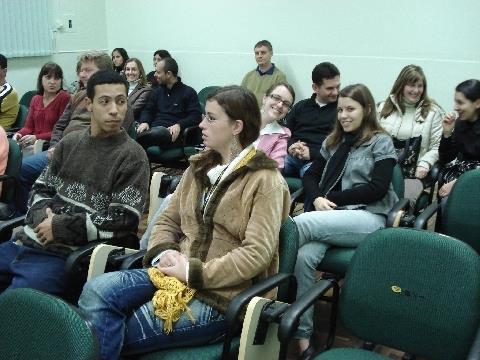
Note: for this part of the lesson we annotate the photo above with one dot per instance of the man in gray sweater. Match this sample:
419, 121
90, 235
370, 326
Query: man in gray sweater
94, 188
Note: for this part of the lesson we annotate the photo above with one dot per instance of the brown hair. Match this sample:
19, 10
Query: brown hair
142, 80
240, 104
51, 69
369, 125
284, 84
410, 74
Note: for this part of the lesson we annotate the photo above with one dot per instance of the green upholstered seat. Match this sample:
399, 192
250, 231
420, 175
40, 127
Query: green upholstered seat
336, 260
293, 183
350, 354
35, 325
202, 95
27, 98
460, 218
412, 290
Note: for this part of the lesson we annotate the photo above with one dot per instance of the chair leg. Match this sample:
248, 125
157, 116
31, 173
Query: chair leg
333, 315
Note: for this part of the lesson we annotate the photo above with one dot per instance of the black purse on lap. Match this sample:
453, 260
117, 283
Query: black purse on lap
407, 154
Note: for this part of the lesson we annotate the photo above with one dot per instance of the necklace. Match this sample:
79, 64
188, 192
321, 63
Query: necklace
212, 188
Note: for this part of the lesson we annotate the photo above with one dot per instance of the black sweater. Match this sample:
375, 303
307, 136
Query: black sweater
365, 194
311, 123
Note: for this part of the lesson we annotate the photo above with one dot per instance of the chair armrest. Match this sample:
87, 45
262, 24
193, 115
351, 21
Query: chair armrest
295, 198
474, 353
133, 261
289, 322
7, 225
395, 214
77, 255
238, 303
422, 220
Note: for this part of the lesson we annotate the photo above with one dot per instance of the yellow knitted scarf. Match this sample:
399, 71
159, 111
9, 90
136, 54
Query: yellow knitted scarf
171, 298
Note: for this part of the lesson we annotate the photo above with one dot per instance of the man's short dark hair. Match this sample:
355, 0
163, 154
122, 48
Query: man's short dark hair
170, 65
265, 43
324, 70
104, 77
162, 53
3, 61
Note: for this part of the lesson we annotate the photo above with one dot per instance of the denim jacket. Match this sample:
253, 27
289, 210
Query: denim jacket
359, 167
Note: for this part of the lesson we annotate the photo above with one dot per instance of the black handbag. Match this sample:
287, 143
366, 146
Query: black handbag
407, 154
454, 169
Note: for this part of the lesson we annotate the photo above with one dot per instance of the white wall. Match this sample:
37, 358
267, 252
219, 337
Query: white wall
369, 40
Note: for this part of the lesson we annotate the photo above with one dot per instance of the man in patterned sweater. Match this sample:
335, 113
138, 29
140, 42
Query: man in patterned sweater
94, 188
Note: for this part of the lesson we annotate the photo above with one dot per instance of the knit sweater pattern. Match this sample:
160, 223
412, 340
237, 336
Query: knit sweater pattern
96, 187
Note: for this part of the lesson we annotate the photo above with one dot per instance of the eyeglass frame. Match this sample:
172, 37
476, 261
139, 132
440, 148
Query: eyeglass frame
278, 99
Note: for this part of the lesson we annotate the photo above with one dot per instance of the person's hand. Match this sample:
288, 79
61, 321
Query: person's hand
174, 131
174, 264
304, 152
28, 140
421, 172
293, 149
323, 204
446, 188
44, 229
142, 127
50, 152
17, 137
168, 258
448, 123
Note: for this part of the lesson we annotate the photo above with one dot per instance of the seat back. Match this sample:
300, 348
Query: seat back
202, 95
21, 117
36, 325
27, 98
415, 291
462, 211
398, 183
14, 162
288, 248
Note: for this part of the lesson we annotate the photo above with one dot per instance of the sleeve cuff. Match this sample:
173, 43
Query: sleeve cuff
195, 273
153, 252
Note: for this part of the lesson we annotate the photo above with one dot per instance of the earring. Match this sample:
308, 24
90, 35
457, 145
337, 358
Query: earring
235, 148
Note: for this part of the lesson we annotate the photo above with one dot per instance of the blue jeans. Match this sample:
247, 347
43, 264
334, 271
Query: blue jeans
22, 266
295, 167
119, 306
318, 230
32, 167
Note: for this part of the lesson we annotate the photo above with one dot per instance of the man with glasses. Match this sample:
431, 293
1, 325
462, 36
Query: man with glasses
8, 98
266, 74
311, 120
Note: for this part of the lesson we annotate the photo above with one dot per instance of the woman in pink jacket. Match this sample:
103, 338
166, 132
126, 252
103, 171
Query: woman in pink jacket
273, 137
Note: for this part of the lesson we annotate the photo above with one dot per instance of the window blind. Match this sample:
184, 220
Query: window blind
25, 28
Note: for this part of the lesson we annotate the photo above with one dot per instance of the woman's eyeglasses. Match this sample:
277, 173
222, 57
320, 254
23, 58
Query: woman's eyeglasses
277, 98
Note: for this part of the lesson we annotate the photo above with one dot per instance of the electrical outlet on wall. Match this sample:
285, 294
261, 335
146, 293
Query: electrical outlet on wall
69, 23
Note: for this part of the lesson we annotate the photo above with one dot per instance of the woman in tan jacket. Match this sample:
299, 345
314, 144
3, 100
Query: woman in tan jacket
218, 236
